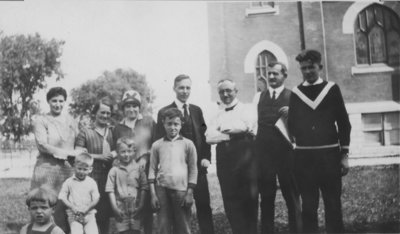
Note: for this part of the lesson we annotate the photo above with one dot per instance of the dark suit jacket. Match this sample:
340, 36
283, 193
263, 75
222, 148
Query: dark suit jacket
199, 129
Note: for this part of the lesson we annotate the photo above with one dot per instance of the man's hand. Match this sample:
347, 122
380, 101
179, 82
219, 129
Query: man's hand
205, 163
284, 111
188, 199
345, 164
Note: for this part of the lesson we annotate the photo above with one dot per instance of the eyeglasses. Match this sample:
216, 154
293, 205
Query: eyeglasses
228, 91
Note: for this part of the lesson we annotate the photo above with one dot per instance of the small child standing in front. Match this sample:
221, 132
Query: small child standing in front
80, 194
173, 176
41, 202
127, 188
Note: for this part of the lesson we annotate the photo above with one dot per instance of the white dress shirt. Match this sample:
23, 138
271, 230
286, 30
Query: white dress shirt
179, 104
238, 119
278, 91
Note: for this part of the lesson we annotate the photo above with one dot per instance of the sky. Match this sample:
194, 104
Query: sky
156, 38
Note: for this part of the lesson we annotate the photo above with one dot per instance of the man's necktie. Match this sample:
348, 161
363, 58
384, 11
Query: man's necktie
273, 95
185, 113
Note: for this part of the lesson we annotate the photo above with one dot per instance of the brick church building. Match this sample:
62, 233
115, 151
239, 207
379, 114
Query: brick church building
360, 46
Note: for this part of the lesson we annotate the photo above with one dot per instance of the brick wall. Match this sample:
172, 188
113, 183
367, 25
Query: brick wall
232, 35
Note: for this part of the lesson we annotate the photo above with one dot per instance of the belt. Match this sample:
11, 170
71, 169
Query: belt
241, 136
318, 147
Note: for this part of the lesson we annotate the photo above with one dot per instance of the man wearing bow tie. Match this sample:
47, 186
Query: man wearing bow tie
231, 130
193, 128
275, 152
320, 124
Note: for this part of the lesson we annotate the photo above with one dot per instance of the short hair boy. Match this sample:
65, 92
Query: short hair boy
41, 202
80, 194
173, 167
127, 188
319, 122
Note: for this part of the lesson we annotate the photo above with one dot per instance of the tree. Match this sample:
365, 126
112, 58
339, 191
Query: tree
112, 85
25, 63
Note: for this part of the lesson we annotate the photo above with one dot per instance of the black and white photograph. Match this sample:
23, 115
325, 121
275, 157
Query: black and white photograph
199, 117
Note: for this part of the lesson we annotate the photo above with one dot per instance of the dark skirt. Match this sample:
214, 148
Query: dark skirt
52, 172
100, 174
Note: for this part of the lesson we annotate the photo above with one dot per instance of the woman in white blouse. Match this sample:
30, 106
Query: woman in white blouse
55, 135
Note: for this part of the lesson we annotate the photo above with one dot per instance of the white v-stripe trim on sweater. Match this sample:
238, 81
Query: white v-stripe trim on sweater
314, 104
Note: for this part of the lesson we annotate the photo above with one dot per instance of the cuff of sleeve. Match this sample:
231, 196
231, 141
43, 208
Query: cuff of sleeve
192, 185
344, 149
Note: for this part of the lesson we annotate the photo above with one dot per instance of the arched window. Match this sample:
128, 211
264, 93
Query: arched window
377, 36
263, 59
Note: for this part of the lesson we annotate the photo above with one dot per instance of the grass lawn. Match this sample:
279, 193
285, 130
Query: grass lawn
370, 201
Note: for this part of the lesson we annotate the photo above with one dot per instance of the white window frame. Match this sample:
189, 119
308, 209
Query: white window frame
264, 9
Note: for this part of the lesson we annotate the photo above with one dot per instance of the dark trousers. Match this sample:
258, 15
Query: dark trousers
235, 172
147, 215
203, 208
275, 160
319, 170
173, 218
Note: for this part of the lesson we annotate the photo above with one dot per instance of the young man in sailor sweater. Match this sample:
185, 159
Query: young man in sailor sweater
319, 122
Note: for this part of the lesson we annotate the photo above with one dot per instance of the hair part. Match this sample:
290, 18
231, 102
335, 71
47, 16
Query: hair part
284, 69
84, 158
172, 113
180, 77
42, 194
56, 91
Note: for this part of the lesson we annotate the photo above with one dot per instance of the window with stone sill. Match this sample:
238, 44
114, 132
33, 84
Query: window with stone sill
263, 7
377, 36
381, 128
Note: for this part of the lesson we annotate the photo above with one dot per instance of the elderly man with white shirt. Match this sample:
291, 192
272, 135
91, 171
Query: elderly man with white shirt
231, 130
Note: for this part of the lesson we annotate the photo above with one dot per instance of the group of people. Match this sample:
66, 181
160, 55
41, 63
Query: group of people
139, 167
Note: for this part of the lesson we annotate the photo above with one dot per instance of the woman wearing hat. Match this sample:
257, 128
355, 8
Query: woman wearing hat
142, 129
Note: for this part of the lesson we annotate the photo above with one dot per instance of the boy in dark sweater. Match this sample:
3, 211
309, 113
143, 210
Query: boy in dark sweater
319, 122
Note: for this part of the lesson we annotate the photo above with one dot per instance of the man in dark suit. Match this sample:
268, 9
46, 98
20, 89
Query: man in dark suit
320, 124
275, 152
193, 128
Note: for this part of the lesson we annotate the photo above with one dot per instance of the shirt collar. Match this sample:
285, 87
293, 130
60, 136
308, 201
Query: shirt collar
277, 90
178, 137
179, 104
139, 117
76, 178
233, 103
118, 164
318, 81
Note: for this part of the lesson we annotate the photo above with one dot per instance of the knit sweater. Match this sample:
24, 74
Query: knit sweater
318, 117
